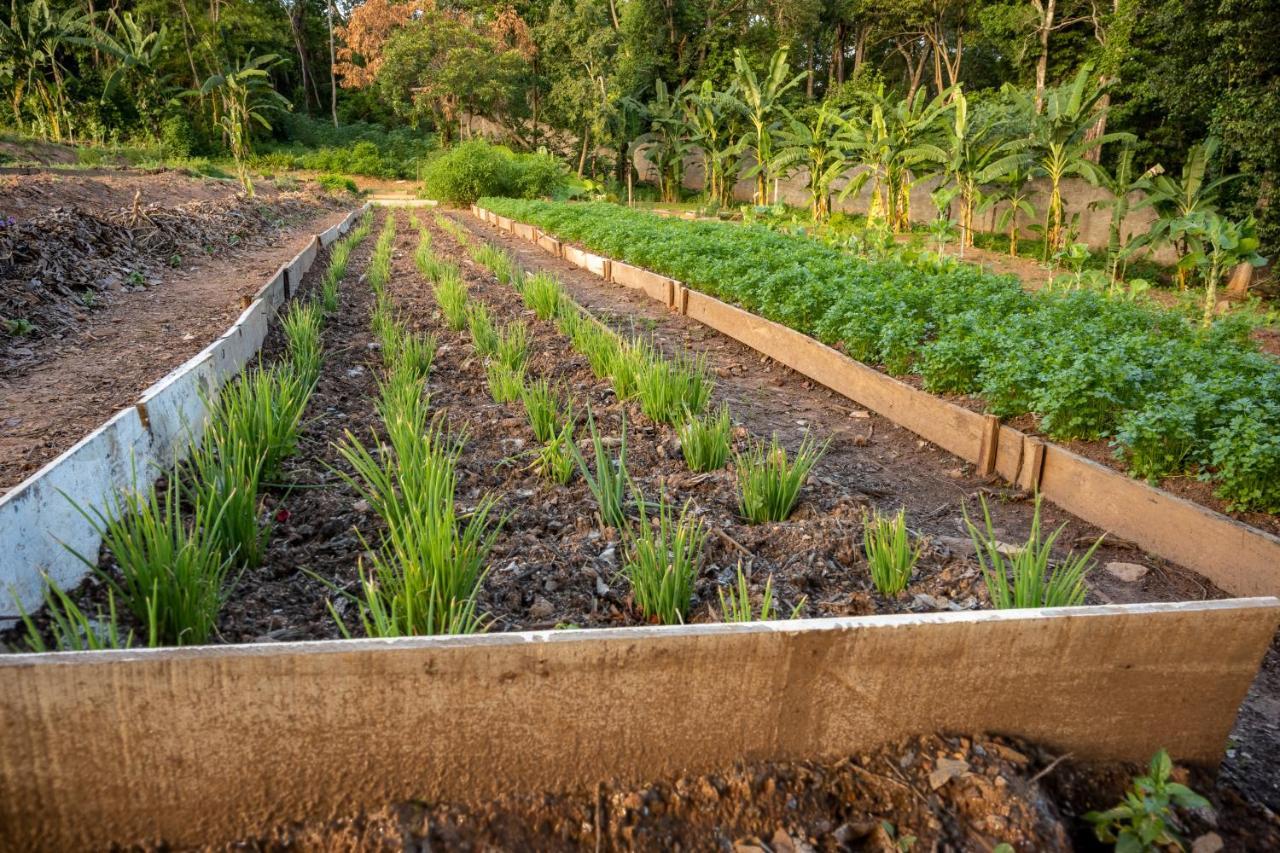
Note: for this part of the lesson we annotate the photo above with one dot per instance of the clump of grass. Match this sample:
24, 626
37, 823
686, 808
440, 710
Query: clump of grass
339, 258
624, 365
1026, 577
600, 346
546, 416
498, 262
543, 295
417, 353
672, 389
452, 228
380, 264
223, 470
72, 630
512, 347
173, 573
505, 382
480, 324
302, 326
264, 408
608, 484
430, 563
663, 557
451, 296
769, 482
704, 441
887, 544
554, 459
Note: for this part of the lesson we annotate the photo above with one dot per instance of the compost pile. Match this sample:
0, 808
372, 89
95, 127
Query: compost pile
49, 263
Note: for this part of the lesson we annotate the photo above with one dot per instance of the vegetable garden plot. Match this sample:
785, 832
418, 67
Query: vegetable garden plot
1173, 399
399, 353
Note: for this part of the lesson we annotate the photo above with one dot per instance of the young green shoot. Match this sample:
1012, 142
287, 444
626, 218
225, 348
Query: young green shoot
890, 557
670, 390
480, 324
451, 296
72, 630
554, 459
608, 484
664, 554
505, 383
769, 482
512, 348
546, 416
705, 441
544, 296
1026, 577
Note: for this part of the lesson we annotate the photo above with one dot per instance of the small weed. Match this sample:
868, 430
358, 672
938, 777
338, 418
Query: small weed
768, 482
663, 557
136, 279
89, 299
505, 383
609, 484
544, 296
1145, 819
1035, 583
704, 441
175, 260
887, 544
18, 327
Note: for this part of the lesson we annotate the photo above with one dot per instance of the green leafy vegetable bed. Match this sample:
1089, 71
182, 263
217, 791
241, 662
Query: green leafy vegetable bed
1171, 398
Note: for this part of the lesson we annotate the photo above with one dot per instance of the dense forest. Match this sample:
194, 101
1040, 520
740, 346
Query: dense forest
588, 77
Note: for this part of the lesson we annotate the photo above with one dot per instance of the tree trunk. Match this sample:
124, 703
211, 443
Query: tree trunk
333, 75
1047, 11
837, 52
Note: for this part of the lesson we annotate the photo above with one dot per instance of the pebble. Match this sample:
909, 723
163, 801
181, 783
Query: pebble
541, 608
1127, 572
1210, 842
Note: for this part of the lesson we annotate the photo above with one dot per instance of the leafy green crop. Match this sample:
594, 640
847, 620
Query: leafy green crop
1171, 397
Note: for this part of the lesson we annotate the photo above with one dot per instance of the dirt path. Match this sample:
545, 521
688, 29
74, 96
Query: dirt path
120, 349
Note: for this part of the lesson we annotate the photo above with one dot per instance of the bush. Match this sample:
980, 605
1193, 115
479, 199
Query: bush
476, 168
337, 184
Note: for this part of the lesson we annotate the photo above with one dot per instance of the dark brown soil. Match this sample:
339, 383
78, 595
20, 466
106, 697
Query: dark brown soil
88, 359
932, 793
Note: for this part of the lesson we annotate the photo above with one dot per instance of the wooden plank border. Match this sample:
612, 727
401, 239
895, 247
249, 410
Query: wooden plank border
206, 745
1240, 559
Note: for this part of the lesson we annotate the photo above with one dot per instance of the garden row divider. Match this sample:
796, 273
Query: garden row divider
1238, 558
38, 524
208, 745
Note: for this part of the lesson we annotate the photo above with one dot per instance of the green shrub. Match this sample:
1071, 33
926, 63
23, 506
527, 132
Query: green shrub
332, 183
477, 168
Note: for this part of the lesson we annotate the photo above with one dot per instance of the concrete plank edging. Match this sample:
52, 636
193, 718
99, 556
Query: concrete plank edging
469, 717
36, 517
1240, 559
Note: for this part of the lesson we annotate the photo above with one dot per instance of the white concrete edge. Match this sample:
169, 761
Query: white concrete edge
640, 633
148, 436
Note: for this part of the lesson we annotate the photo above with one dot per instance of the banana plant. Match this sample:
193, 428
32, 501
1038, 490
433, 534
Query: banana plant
888, 145
1013, 191
707, 117
32, 41
1060, 146
970, 147
1120, 184
1175, 199
139, 53
821, 147
245, 96
668, 141
1217, 245
760, 103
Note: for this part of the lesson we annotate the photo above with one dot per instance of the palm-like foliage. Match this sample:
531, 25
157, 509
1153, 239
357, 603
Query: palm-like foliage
667, 140
707, 117
1176, 198
245, 97
759, 100
888, 144
139, 54
1012, 190
821, 147
32, 41
1059, 145
1120, 183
